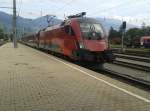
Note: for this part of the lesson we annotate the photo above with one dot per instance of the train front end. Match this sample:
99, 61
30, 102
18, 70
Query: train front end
92, 42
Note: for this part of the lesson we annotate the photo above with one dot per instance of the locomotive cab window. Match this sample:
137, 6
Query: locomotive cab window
69, 30
91, 30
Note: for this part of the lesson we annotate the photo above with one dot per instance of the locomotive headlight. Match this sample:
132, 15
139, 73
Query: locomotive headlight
81, 45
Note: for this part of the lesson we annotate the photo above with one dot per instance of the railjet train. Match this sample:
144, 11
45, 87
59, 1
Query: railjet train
78, 37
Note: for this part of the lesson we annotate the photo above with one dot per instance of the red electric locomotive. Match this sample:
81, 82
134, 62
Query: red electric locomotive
79, 38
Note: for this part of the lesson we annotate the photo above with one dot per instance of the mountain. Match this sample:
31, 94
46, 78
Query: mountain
24, 24
33, 25
107, 23
41, 22
5, 21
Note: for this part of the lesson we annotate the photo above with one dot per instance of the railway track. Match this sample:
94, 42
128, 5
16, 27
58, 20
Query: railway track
132, 53
123, 75
133, 57
136, 62
127, 76
132, 63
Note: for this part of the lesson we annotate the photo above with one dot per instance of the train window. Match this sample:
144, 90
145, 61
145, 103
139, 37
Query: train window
69, 30
91, 30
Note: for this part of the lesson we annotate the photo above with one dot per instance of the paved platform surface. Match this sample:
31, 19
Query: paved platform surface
33, 81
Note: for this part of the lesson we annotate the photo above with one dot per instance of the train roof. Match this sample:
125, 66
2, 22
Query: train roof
80, 17
85, 19
68, 21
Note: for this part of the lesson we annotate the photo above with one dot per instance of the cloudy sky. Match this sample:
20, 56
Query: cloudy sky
135, 11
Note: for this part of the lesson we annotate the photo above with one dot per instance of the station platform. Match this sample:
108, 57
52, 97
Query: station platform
31, 80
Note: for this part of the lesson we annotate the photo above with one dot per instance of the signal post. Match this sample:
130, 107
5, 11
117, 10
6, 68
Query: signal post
123, 35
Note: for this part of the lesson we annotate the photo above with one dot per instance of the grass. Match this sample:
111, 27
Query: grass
115, 46
142, 49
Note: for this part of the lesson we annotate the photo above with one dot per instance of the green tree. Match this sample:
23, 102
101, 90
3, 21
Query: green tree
114, 35
133, 36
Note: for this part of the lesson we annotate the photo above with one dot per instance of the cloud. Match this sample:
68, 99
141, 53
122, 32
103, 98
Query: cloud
127, 9
66, 1
40, 1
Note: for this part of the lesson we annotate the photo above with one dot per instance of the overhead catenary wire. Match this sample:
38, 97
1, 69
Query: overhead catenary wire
19, 6
68, 3
62, 8
112, 8
135, 20
7, 7
97, 12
